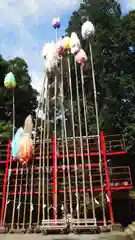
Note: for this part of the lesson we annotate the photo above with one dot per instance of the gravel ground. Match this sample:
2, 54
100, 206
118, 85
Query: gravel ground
102, 236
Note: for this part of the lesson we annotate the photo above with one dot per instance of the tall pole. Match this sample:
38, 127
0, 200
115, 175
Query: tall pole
54, 150
13, 113
98, 133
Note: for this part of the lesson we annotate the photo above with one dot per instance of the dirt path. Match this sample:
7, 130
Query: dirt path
106, 236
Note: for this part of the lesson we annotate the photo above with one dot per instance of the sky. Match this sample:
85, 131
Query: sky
25, 26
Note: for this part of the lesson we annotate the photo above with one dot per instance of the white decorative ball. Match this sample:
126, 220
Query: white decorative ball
75, 44
88, 30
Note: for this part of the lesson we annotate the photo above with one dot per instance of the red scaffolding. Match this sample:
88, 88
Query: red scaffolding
57, 186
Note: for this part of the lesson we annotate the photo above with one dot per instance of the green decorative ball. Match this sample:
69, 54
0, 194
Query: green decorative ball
9, 81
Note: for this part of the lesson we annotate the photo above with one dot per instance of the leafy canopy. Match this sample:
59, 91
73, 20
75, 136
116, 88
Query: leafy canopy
114, 61
25, 95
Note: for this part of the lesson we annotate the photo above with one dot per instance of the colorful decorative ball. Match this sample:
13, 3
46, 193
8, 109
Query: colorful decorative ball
81, 57
88, 30
60, 47
9, 81
75, 44
66, 41
25, 149
56, 23
15, 142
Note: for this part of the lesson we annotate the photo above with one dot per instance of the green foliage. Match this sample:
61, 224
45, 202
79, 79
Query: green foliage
114, 62
5, 130
25, 95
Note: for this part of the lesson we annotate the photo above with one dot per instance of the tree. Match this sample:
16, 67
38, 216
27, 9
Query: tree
25, 95
114, 58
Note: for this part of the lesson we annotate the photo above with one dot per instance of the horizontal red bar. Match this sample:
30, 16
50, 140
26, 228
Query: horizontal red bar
23, 193
60, 167
74, 190
79, 166
101, 189
78, 155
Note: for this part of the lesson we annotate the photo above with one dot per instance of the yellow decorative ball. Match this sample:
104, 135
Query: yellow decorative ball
67, 43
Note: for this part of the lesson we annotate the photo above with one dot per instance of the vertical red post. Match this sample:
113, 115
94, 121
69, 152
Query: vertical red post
54, 165
5, 183
103, 150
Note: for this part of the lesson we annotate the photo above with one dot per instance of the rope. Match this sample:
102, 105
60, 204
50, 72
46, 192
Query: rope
13, 212
88, 151
63, 145
74, 142
66, 145
10, 161
55, 134
43, 169
48, 145
18, 217
31, 195
98, 133
25, 199
40, 159
7, 194
13, 113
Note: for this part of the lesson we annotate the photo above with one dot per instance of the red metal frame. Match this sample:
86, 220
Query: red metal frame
5, 183
103, 150
108, 188
74, 190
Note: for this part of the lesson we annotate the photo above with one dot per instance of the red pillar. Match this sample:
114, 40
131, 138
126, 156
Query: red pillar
54, 157
5, 183
103, 150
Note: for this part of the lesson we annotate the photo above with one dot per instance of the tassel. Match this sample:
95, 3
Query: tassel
77, 207
96, 201
62, 207
31, 208
19, 205
8, 202
108, 200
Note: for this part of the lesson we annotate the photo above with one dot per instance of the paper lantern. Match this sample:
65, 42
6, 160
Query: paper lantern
9, 80
25, 149
81, 57
15, 142
56, 23
88, 30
